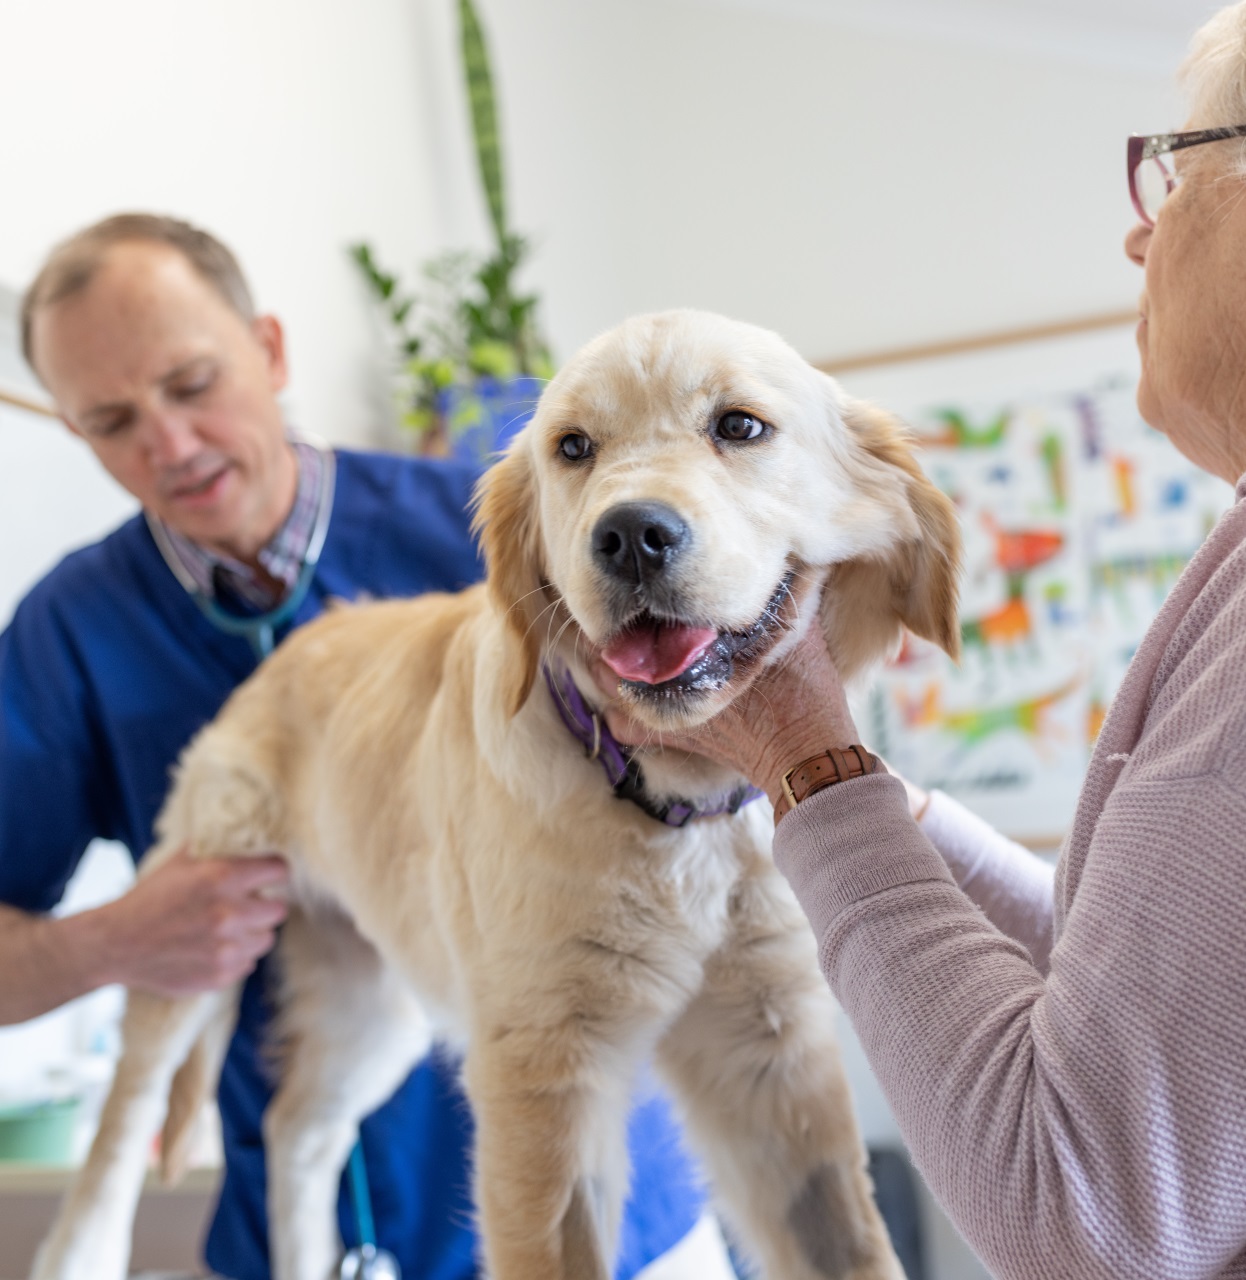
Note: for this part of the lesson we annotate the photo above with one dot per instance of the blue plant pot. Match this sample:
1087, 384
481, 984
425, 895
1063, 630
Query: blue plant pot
504, 408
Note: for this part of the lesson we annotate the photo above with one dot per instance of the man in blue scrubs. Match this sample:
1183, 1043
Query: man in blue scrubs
143, 330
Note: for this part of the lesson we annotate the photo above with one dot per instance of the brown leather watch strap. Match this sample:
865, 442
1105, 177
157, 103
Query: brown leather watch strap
828, 767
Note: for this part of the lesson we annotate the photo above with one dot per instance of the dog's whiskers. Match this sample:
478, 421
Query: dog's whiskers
536, 591
791, 595
561, 632
553, 604
551, 643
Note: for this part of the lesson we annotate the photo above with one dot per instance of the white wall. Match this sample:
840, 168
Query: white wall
852, 190
289, 127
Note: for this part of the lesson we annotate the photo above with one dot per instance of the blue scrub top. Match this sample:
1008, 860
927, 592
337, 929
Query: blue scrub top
106, 671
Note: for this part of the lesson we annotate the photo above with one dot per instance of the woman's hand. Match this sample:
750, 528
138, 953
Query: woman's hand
792, 711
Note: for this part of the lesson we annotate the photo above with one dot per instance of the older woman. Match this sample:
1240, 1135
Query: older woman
1067, 1058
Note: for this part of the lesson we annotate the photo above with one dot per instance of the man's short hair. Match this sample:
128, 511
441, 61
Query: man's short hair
70, 267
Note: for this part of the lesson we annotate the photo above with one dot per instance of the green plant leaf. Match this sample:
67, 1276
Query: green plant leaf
494, 359
484, 114
467, 323
469, 411
419, 420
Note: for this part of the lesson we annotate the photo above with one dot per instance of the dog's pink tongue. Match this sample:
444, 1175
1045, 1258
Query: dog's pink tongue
653, 653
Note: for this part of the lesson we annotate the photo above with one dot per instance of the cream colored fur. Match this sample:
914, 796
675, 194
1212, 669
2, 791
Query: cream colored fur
463, 872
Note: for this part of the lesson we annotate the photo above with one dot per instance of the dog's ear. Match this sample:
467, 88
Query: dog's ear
915, 581
506, 524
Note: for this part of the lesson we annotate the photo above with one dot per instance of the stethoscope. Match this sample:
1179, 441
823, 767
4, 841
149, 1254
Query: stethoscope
260, 629
366, 1261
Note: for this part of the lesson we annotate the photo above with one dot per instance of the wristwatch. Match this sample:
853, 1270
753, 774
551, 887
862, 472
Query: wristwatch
828, 767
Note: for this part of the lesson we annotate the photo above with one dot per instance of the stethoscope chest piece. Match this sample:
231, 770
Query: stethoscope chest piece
367, 1262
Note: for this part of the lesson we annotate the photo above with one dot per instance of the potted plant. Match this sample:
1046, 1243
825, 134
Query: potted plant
471, 357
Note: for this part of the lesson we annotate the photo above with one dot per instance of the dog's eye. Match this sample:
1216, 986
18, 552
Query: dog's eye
736, 426
575, 446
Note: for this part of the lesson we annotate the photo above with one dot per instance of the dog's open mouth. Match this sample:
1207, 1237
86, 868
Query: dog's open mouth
667, 658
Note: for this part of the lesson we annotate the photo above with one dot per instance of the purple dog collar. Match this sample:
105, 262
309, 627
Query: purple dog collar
622, 770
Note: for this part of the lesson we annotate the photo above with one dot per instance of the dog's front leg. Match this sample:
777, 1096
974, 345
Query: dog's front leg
551, 1105
754, 1061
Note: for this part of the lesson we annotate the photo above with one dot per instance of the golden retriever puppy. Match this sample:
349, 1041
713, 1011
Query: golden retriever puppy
689, 496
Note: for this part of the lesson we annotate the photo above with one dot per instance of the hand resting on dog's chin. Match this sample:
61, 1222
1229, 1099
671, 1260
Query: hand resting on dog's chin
791, 711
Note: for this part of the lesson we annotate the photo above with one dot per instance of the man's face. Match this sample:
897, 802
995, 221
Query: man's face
176, 395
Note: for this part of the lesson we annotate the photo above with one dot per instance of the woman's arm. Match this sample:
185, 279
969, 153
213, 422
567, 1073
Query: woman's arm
1092, 1124
1013, 887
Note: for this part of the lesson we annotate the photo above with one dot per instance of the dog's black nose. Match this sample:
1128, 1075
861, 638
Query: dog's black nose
636, 541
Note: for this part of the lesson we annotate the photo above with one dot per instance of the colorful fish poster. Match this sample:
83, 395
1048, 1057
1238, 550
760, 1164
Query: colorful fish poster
1077, 519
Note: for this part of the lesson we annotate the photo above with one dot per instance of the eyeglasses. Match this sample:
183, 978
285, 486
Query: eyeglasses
1152, 174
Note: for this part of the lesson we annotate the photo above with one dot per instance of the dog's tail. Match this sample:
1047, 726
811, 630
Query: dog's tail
193, 1084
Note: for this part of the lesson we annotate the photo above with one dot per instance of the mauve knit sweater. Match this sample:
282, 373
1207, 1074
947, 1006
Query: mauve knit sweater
1067, 1059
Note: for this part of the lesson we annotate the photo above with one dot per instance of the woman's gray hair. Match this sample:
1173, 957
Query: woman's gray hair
1213, 74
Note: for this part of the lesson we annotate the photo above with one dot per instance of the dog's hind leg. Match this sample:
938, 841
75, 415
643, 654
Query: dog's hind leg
754, 1062
90, 1239
348, 1032
194, 1084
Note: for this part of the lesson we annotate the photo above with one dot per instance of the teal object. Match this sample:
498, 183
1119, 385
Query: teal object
366, 1261
39, 1132
259, 630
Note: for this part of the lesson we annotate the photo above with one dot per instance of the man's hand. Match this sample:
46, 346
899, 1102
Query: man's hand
193, 924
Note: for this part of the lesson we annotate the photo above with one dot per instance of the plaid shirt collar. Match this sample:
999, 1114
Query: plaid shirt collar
281, 557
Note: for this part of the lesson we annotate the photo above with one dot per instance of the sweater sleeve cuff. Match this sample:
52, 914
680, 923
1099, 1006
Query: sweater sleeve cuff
850, 841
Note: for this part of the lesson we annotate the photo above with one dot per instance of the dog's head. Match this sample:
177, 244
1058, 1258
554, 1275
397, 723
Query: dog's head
687, 489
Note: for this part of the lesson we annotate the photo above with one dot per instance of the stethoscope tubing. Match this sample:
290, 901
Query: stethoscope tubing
259, 630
